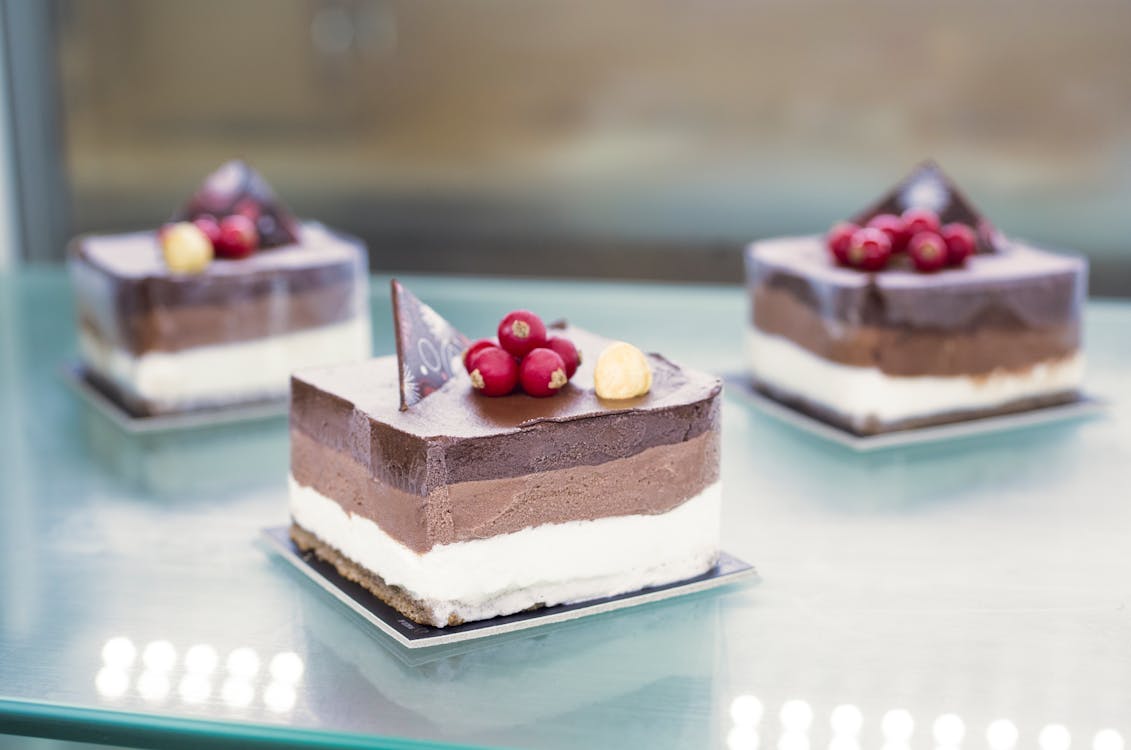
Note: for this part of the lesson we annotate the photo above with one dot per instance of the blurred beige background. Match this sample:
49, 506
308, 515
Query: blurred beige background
619, 138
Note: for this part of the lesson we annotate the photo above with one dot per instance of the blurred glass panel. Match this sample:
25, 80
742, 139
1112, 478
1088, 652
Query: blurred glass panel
623, 137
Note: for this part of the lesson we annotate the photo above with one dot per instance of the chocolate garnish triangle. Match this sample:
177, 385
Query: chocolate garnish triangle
427, 346
928, 187
237, 188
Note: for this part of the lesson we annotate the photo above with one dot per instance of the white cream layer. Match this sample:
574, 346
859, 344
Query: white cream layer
227, 373
547, 564
863, 393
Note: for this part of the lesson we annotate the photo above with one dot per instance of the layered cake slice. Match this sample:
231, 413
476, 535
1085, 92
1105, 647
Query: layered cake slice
916, 313
460, 506
220, 307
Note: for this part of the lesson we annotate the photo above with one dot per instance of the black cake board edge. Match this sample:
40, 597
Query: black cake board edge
78, 380
741, 386
728, 570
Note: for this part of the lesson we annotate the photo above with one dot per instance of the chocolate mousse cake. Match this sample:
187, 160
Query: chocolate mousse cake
453, 506
916, 313
249, 295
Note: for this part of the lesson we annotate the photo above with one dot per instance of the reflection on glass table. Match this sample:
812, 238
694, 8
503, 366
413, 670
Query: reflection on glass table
967, 593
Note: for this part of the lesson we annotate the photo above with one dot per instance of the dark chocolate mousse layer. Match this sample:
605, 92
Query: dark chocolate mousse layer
127, 297
458, 466
1017, 287
455, 435
1004, 311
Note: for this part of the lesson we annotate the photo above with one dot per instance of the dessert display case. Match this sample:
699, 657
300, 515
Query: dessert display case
971, 588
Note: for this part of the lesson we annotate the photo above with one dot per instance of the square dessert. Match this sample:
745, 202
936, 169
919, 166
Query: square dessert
935, 319
461, 507
264, 301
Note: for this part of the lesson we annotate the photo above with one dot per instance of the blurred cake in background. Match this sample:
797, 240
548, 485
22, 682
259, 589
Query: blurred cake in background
916, 312
218, 307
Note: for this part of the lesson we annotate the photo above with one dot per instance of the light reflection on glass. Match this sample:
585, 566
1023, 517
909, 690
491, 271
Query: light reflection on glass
897, 726
1054, 737
153, 685
794, 740
159, 656
844, 742
746, 710
279, 697
237, 692
195, 688
1107, 739
111, 682
287, 667
846, 720
201, 659
1001, 734
796, 716
243, 662
743, 737
119, 653
949, 730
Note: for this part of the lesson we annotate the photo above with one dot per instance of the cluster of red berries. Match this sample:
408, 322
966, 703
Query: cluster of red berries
234, 236
523, 357
917, 233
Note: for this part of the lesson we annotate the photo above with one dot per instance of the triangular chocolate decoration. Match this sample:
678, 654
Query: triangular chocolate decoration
237, 188
427, 345
928, 187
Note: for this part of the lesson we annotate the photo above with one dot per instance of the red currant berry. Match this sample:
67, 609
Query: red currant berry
470, 352
567, 351
542, 373
960, 243
920, 220
238, 237
520, 332
870, 250
928, 252
894, 228
207, 223
839, 238
495, 372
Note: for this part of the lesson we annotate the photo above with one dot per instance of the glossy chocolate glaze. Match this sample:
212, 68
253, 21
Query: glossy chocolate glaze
127, 295
1017, 287
455, 435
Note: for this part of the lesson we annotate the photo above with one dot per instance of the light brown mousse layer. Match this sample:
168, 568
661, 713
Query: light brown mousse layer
652, 481
898, 350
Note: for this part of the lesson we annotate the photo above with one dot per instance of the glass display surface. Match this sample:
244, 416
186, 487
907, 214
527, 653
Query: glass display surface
970, 593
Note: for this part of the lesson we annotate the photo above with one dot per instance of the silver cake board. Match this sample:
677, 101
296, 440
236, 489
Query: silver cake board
76, 377
741, 387
413, 635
